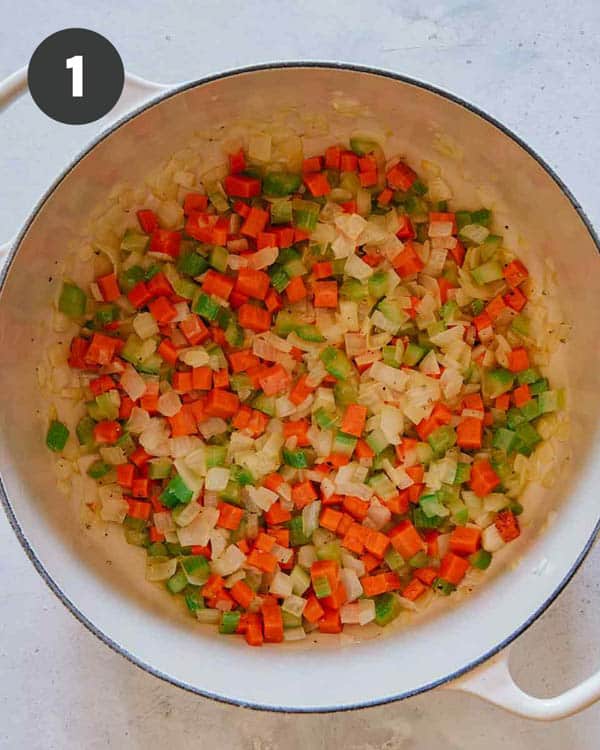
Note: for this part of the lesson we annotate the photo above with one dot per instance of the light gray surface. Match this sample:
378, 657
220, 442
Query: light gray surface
535, 67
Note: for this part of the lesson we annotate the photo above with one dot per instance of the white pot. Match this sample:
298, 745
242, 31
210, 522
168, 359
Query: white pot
137, 619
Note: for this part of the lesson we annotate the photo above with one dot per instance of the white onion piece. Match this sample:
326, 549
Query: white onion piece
133, 383
169, 404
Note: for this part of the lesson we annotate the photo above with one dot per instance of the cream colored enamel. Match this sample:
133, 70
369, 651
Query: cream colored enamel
103, 577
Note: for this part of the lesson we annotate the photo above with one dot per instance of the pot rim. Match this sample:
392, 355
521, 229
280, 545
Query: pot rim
19, 532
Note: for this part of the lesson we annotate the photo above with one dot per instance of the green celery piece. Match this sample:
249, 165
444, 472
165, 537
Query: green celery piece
413, 354
330, 551
153, 270
393, 559
191, 264
176, 492
344, 444
136, 537
321, 587
345, 392
420, 560
215, 455
159, 468
354, 290
264, 403
531, 410
99, 469
206, 307
241, 475
504, 439
57, 436
540, 386
134, 241
387, 608
280, 184
482, 216
481, 559
497, 382
422, 521
229, 622
296, 458
528, 437
442, 439
194, 601
129, 278
177, 582
362, 146
296, 529
378, 284
224, 317
239, 382
477, 306
520, 325
336, 363
157, 549
550, 401
106, 314
310, 332
377, 441
290, 620
528, 376
443, 587
234, 335
463, 218
514, 417
72, 301
218, 258
197, 567
432, 507
448, 310
279, 277
281, 212
85, 431
463, 473
232, 493
389, 356
324, 419
306, 214
487, 272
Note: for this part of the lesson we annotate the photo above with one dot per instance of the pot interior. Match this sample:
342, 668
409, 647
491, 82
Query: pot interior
103, 578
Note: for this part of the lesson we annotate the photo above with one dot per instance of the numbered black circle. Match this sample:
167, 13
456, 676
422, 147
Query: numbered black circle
76, 76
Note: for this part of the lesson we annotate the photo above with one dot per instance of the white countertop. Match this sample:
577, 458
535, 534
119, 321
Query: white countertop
535, 66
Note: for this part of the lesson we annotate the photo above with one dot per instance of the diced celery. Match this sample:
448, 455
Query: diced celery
482, 216
344, 444
296, 528
378, 284
134, 241
363, 146
85, 431
496, 382
463, 473
305, 214
281, 212
129, 278
176, 492
196, 569
206, 307
528, 376
377, 441
393, 559
528, 438
422, 521
266, 404
477, 306
218, 258
504, 439
442, 439
321, 587
443, 587
310, 333
300, 578
280, 184
520, 325
191, 264
539, 386
194, 600
99, 469
413, 354
296, 458
279, 277
57, 436
431, 506
215, 455
72, 301
462, 219
551, 401
345, 393
481, 559
487, 272
387, 608
159, 468
177, 582
330, 551
354, 290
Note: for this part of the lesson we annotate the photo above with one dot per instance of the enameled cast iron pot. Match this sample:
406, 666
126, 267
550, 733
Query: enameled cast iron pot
114, 601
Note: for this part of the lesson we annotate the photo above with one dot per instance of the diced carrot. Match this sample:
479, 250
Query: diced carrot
374, 585
194, 329
297, 428
363, 450
148, 220
255, 222
273, 301
453, 568
469, 433
101, 349
515, 299
483, 478
370, 561
102, 384
312, 164
237, 162
464, 540
385, 196
356, 507
221, 378
202, 378
398, 504
242, 360
168, 351
444, 286
240, 186
285, 235
426, 575
337, 597
125, 407
296, 289
300, 391
330, 519
354, 420
107, 431
155, 535
332, 157
376, 542
415, 472
166, 242
407, 262
230, 516
264, 561
515, 273
109, 287
518, 360
277, 514
413, 590
139, 457
508, 525
521, 395
184, 422
406, 540
254, 634
241, 420
194, 202
139, 509
140, 487
482, 322
348, 207
257, 423
265, 542
322, 269
162, 310
242, 593
496, 307
253, 283
406, 231
313, 611
303, 493
401, 177
348, 161
217, 284
368, 179
327, 568
344, 524
354, 538
273, 481
254, 318
325, 294
502, 402
125, 474
221, 403
330, 622
458, 253
317, 183
275, 380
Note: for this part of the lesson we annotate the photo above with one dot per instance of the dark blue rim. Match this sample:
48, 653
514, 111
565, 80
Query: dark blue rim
21, 535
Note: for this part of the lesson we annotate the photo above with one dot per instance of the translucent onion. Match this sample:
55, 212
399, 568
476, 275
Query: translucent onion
187, 515
351, 583
217, 478
263, 258
133, 383
229, 562
169, 404
160, 569
198, 531
281, 585
145, 326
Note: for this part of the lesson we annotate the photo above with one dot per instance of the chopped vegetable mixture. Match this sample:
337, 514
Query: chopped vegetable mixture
306, 400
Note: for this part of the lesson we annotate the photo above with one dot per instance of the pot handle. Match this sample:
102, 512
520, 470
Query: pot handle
493, 682
136, 91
